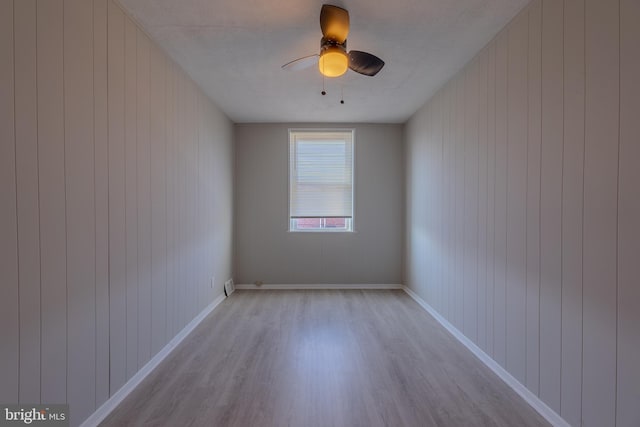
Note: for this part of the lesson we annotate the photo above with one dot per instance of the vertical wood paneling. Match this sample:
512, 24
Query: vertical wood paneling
628, 380
89, 156
176, 197
516, 291
560, 169
446, 201
573, 158
453, 185
438, 201
441, 247
191, 182
470, 227
193, 173
185, 279
419, 211
52, 202
198, 278
186, 276
491, 191
204, 271
443, 244
431, 255
432, 202
501, 147
131, 193
117, 237
450, 207
101, 189
180, 203
26, 128
204, 192
158, 200
79, 158
451, 203
482, 200
602, 100
170, 179
203, 173
427, 255
183, 282
533, 198
459, 199
144, 201
551, 204
425, 258
9, 317
441, 208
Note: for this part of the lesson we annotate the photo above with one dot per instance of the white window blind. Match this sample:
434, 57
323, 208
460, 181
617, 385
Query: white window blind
321, 174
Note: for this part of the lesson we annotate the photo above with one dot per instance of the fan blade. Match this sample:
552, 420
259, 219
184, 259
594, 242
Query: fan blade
334, 22
301, 63
365, 63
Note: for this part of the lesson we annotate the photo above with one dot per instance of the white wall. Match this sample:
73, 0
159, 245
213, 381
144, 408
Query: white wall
523, 201
266, 251
116, 201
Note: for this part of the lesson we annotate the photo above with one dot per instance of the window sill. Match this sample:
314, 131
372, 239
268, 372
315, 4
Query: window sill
321, 231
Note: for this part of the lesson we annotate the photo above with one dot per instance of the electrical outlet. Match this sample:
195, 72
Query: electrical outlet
213, 282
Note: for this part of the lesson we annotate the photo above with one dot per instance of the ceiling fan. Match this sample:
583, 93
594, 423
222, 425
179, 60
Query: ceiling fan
333, 59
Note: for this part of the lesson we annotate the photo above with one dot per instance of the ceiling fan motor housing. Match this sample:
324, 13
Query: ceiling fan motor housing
325, 43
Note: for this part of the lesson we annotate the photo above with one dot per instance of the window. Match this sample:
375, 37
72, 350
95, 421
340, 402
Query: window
321, 180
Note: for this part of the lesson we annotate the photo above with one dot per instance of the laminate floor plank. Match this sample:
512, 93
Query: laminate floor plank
322, 358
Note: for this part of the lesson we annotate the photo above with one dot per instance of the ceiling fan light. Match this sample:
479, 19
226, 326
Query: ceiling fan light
333, 62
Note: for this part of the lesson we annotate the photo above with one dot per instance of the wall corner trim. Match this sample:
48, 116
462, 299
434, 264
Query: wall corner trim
549, 414
107, 407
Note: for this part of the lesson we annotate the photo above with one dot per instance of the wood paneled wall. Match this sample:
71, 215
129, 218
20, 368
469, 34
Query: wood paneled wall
523, 199
116, 201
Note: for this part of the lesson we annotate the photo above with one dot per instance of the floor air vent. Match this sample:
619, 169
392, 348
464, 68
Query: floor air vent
229, 287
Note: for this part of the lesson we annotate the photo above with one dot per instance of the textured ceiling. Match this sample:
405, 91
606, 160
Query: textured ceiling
234, 51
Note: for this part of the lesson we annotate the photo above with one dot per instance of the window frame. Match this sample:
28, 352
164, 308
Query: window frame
352, 229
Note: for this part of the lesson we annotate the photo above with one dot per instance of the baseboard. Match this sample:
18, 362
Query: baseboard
319, 286
549, 414
107, 407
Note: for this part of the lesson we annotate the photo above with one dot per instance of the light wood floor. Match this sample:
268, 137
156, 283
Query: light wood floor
322, 358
